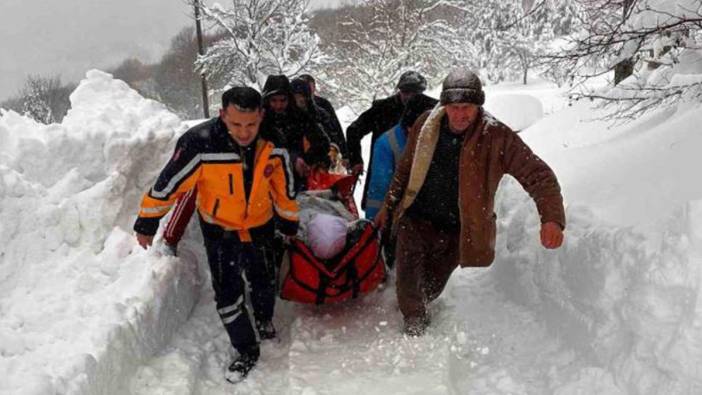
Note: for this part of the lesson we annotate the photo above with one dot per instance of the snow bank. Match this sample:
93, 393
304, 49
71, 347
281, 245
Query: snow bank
626, 289
630, 310
503, 106
79, 304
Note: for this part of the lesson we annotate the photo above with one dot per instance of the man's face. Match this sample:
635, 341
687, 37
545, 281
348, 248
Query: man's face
278, 103
461, 116
405, 96
300, 101
242, 125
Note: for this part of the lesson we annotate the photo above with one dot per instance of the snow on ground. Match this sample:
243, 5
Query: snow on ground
625, 289
502, 107
617, 310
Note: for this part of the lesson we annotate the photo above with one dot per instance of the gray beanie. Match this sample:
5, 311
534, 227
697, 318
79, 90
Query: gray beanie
462, 86
412, 81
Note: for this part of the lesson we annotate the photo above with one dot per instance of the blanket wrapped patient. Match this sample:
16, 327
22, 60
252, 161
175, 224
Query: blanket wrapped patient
327, 227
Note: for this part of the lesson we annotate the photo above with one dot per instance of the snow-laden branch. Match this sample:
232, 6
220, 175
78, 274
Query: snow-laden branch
262, 37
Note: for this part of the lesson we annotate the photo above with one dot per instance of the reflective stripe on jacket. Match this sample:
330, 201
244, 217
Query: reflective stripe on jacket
207, 157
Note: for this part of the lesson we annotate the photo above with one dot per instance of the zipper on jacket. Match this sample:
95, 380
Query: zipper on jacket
216, 207
257, 157
231, 184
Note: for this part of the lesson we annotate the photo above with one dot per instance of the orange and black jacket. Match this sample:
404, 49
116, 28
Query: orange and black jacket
231, 193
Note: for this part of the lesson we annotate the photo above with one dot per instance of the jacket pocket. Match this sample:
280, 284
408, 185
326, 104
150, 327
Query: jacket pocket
215, 208
231, 184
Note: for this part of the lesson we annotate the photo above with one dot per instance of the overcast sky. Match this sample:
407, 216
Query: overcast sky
68, 37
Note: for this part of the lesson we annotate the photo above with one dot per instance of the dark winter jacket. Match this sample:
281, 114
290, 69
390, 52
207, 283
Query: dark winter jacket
320, 115
383, 115
333, 129
336, 125
487, 154
291, 128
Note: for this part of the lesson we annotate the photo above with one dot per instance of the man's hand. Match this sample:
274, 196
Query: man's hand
381, 219
551, 235
302, 168
357, 169
144, 240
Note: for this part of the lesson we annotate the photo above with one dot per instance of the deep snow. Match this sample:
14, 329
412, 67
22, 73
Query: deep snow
80, 307
617, 310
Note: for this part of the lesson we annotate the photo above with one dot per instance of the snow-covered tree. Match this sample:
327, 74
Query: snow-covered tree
616, 30
41, 98
381, 39
527, 35
36, 107
261, 37
509, 36
634, 38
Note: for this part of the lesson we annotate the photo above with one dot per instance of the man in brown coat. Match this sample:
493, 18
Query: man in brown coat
442, 195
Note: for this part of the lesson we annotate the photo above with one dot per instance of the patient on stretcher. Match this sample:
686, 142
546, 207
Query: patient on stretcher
327, 227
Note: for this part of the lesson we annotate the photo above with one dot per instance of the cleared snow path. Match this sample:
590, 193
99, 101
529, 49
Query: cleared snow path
478, 343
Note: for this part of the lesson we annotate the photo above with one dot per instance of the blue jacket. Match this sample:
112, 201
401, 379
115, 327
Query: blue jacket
387, 152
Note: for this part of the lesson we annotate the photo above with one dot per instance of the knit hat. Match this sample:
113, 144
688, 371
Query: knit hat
462, 86
276, 85
412, 81
298, 85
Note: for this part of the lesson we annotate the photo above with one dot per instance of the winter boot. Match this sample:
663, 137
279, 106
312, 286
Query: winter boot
266, 330
415, 326
242, 365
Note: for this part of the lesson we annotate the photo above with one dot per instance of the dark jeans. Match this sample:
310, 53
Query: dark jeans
389, 243
425, 257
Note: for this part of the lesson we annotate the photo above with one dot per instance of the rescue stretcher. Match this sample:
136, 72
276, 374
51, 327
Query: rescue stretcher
357, 270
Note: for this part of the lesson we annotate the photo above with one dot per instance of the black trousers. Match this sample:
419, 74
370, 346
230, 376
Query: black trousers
243, 278
425, 256
389, 243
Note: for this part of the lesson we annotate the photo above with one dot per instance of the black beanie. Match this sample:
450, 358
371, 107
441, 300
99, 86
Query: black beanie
412, 81
462, 86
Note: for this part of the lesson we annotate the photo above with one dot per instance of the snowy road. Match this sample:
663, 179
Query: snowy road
478, 343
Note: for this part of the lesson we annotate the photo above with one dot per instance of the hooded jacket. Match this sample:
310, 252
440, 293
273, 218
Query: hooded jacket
291, 128
326, 105
320, 115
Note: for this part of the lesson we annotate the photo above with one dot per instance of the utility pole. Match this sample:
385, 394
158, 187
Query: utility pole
201, 51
